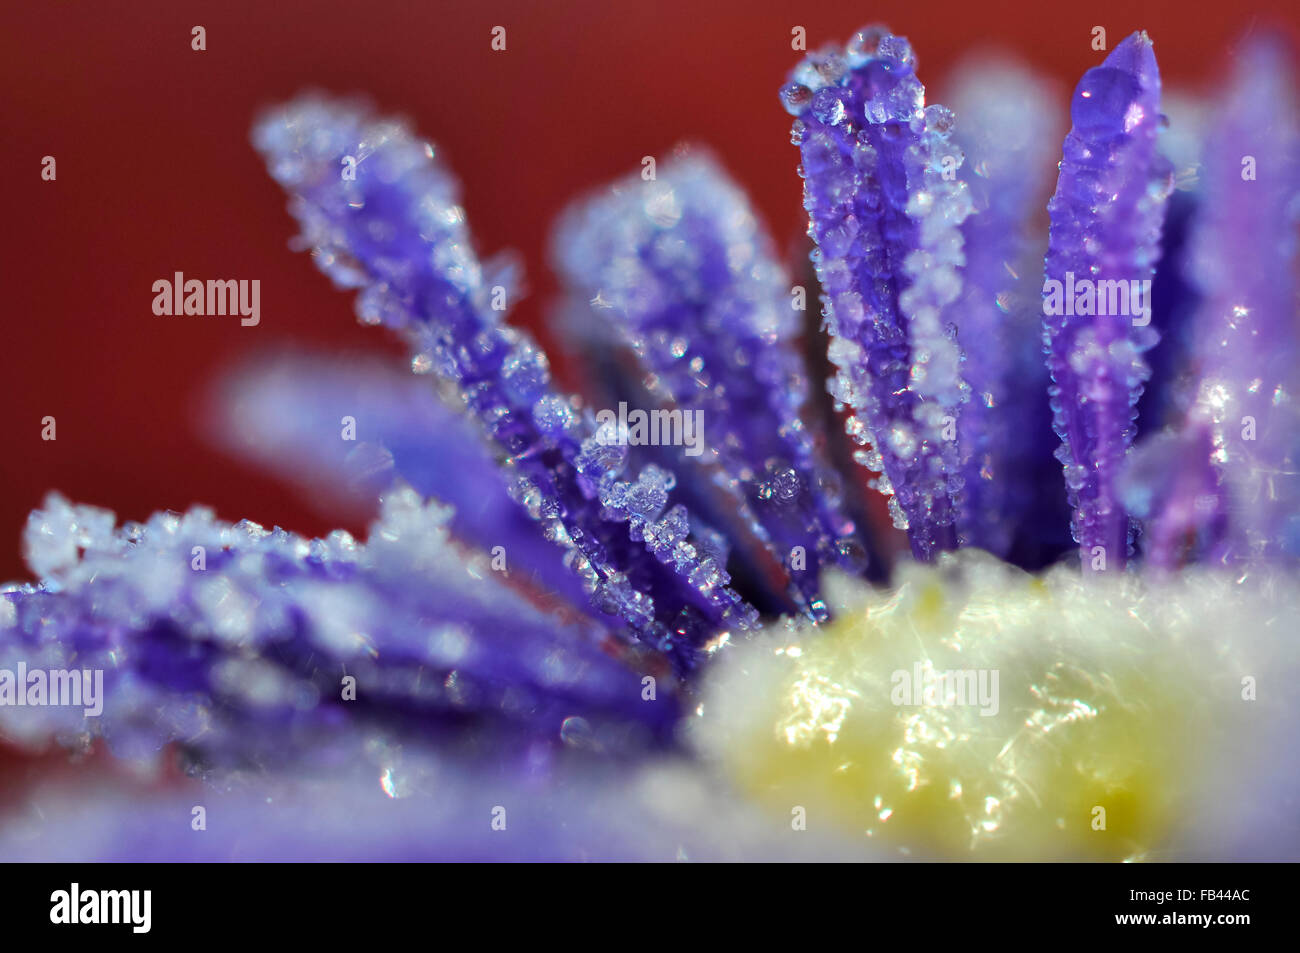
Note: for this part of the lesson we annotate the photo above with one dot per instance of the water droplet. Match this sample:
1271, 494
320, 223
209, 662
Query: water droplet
576, 733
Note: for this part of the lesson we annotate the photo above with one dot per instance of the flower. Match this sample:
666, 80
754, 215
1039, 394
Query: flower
631, 612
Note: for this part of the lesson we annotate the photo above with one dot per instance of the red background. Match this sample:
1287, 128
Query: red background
155, 175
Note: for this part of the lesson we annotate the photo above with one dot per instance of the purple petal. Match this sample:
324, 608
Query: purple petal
1006, 126
885, 218
285, 414
1106, 217
683, 270
1243, 260
235, 642
396, 231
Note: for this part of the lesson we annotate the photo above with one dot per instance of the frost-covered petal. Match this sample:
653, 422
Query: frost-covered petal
390, 223
885, 208
680, 266
1106, 217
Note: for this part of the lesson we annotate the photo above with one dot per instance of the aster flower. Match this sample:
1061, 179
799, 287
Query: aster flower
547, 605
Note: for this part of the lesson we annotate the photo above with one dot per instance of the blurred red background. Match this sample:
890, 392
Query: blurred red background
155, 175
